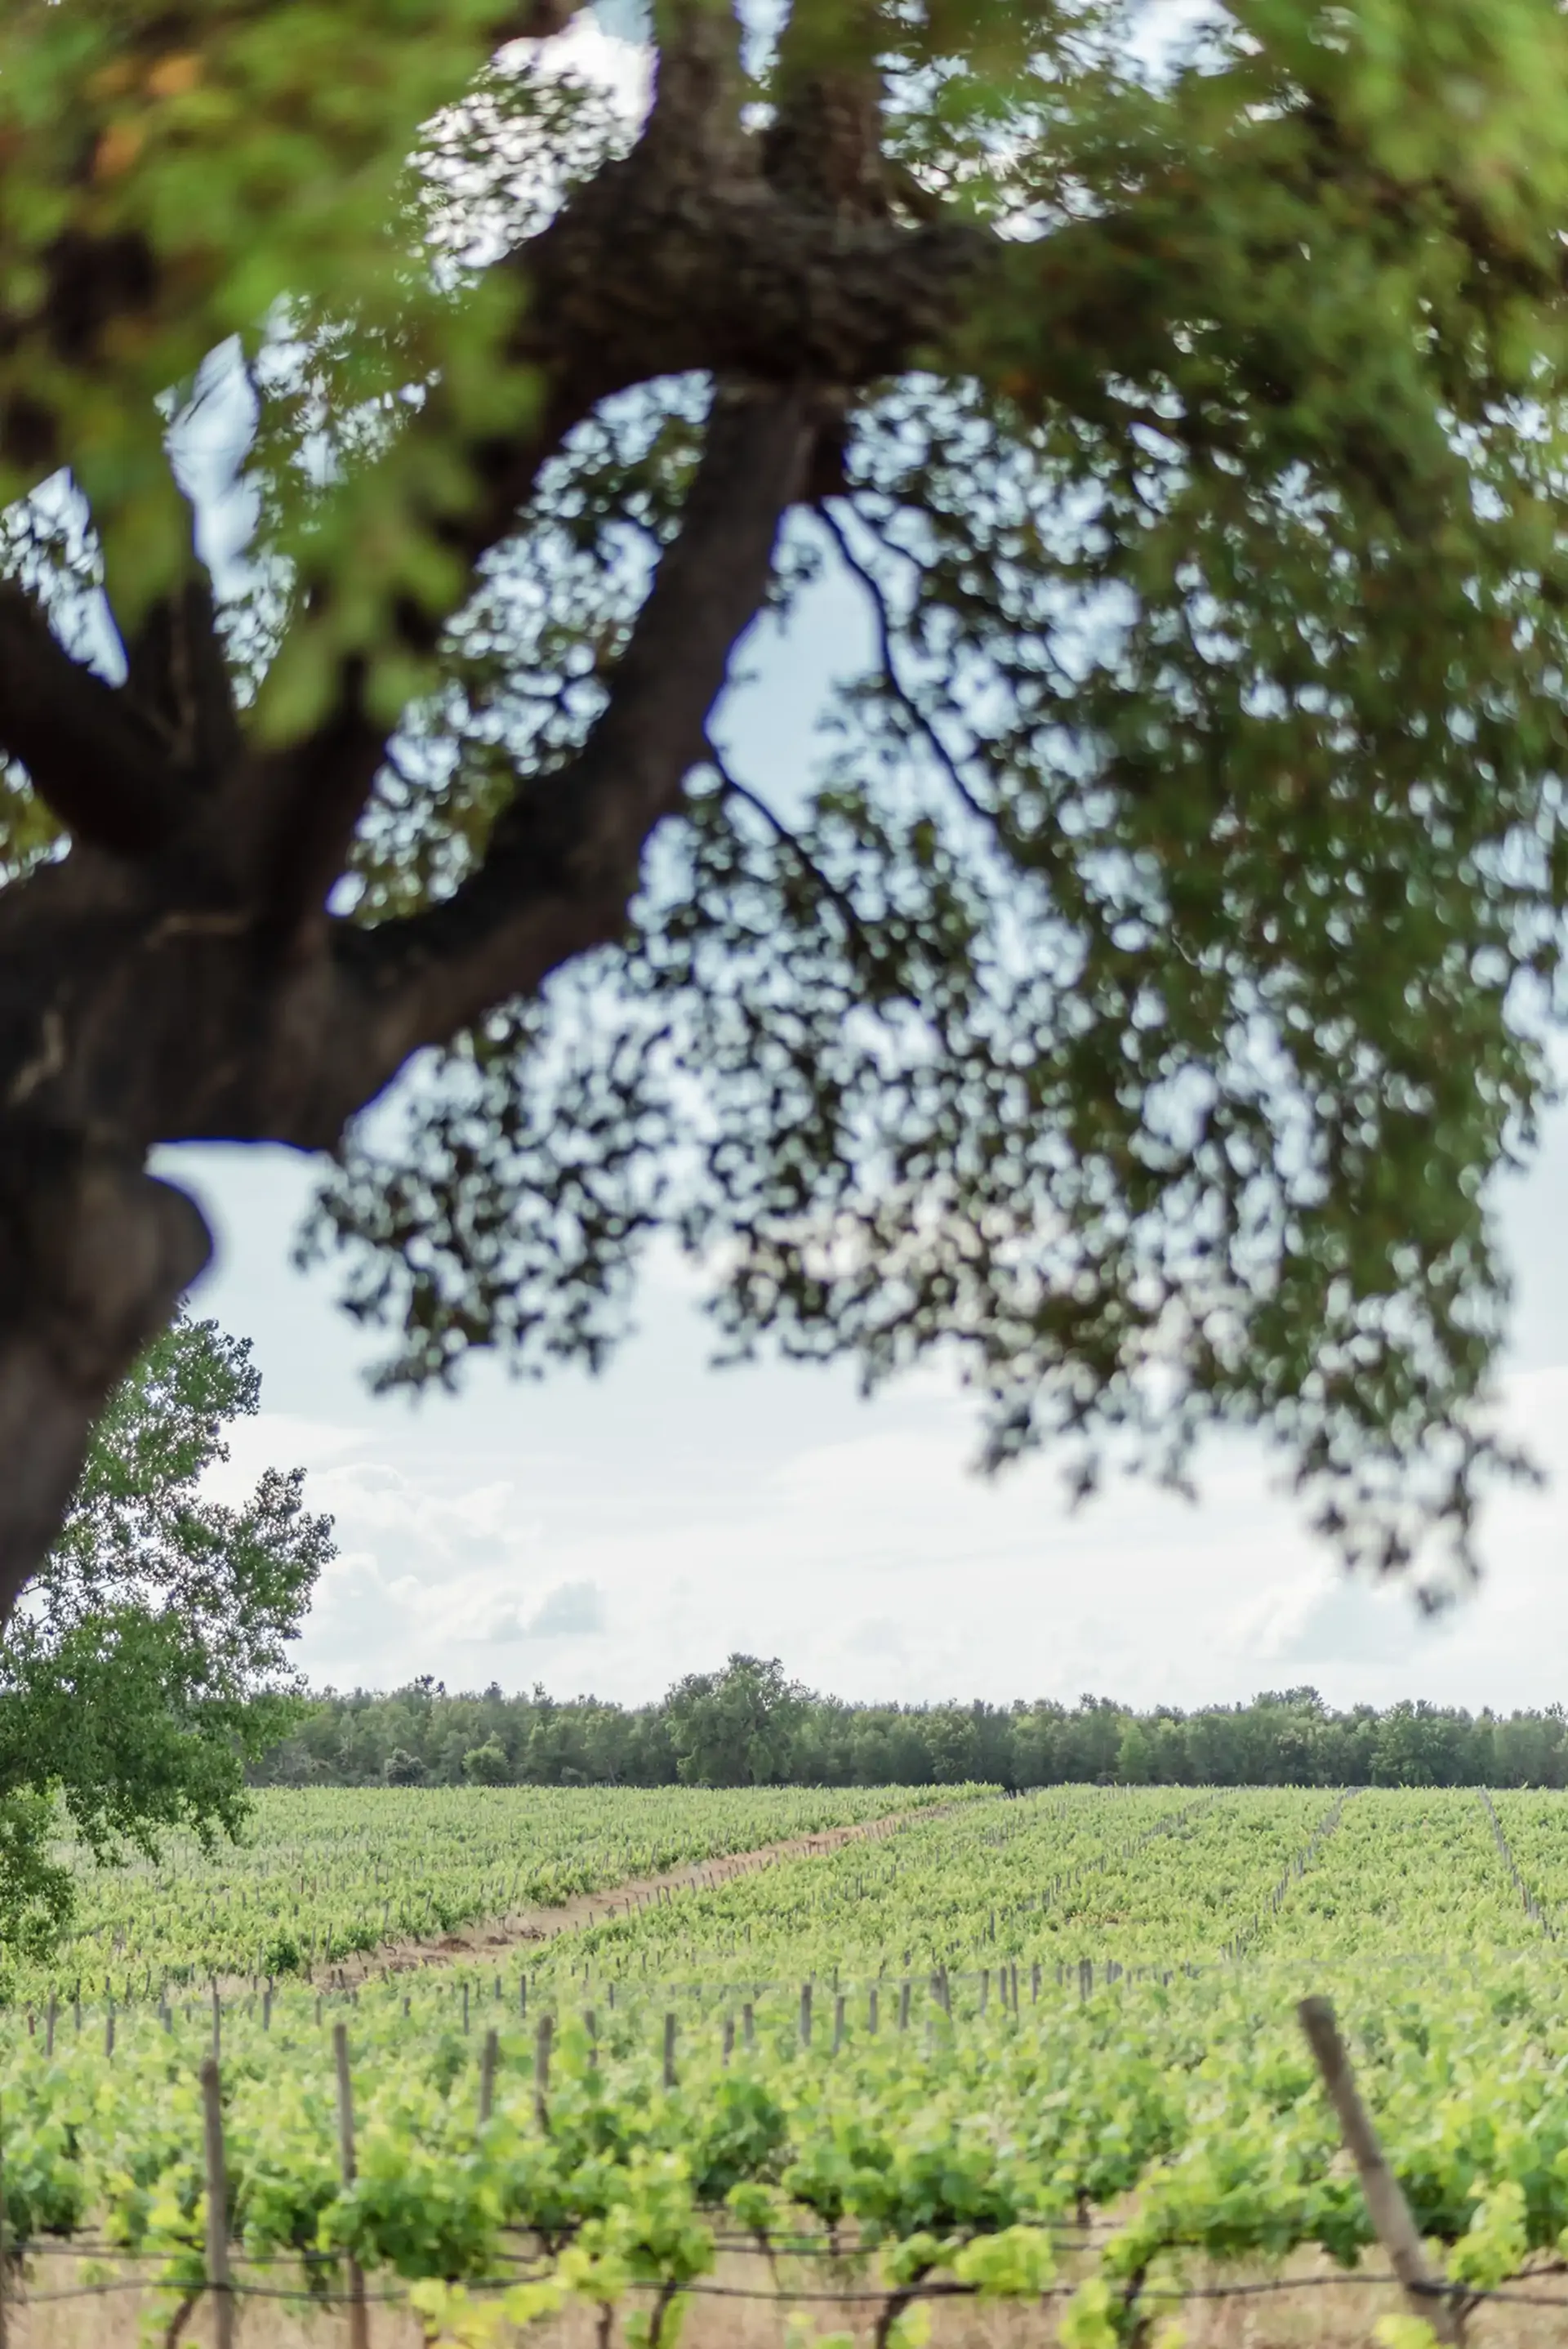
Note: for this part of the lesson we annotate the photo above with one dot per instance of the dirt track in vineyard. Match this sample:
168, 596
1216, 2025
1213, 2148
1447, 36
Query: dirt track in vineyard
523, 1929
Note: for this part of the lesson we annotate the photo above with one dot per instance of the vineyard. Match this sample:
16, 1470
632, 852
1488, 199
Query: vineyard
1039, 2052
328, 1876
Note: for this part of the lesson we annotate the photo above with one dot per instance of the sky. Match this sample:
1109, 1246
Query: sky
610, 1534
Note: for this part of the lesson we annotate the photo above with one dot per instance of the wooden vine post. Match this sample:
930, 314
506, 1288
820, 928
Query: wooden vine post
1386, 2204
541, 2074
220, 2282
489, 2061
4, 2314
359, 2314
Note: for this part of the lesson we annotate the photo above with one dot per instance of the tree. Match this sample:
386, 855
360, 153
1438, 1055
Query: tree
734, 1727
148, 1662
1134, 1757
487, 1764
1139, 996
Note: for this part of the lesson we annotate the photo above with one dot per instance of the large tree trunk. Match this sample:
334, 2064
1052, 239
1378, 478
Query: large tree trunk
94, 1254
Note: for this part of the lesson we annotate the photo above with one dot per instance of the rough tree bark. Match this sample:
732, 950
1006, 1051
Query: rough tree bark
177, 975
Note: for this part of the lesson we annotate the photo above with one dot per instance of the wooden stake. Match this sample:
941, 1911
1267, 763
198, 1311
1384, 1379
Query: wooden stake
5, 2313
489, 2059
1386, 2204
542, 2073
669, 2051
220, 2282
359, 2314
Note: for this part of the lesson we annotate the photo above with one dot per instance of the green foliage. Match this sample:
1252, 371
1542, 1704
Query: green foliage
148, 1662
229, 162
487, 1764
420, 1735
733, 1728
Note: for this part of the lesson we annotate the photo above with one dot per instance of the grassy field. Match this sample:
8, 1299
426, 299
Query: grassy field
1017, 2067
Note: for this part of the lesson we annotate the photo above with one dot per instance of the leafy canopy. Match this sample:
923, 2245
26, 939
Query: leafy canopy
149, 1661
734, 1727
1141, 993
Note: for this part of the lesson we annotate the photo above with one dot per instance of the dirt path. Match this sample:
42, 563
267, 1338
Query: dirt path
524, 1927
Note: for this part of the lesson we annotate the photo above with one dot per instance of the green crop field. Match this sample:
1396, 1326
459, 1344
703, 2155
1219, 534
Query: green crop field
1041, 2048
332, 1874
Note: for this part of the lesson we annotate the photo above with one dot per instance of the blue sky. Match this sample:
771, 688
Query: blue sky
611, 1534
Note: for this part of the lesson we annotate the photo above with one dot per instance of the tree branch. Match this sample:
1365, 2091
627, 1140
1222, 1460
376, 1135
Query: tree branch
93, 759
566, 859
306, 804
925, 727
175, 672
683, 259
844, 905
824, 146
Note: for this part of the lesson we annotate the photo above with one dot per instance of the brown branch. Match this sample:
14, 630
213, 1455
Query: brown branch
93, 759
540, 20
844, 905
175, 672
565, 858
882, 613
306, 806
682, 259
824, 145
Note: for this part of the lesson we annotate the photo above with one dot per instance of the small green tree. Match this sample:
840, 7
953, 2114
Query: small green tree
148, 1662
487, 1764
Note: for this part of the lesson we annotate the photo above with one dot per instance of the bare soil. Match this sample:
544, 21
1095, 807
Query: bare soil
1306, 2312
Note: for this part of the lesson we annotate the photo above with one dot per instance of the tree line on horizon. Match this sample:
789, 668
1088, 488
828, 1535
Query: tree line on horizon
750, 1725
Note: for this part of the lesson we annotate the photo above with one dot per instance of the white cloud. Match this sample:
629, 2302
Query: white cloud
868, 1558
1327, 1619
573, 1611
